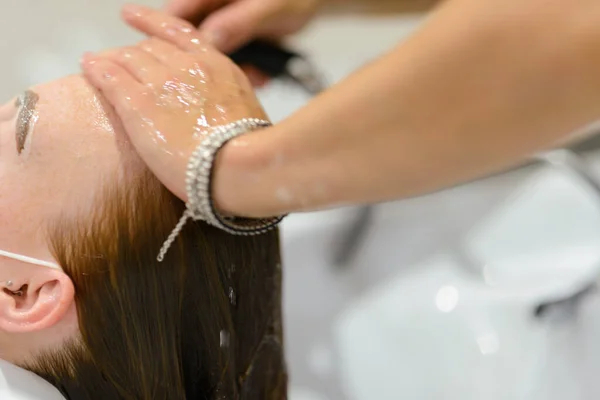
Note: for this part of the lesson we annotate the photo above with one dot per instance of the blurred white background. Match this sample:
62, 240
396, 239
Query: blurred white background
438, 300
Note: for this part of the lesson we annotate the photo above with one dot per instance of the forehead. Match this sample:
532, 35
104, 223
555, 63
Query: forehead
72, 109
77, 123
73, 138
75, 147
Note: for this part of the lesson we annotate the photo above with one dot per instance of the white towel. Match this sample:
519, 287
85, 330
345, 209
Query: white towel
19, 384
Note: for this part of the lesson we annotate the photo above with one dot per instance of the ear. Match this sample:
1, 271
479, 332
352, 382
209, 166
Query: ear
36, 303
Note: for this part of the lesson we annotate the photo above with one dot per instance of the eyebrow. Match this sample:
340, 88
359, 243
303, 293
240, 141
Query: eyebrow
26, 104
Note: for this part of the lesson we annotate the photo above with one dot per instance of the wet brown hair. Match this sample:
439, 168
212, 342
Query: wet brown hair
203, 324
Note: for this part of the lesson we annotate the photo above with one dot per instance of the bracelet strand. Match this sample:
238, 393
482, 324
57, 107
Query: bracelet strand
200, 205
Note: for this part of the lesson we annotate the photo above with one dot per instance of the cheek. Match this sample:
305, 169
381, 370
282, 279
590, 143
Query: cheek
61, 182
21, 214
72, 182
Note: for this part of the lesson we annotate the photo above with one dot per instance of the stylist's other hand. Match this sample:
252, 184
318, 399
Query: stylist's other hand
169, 90
232, 23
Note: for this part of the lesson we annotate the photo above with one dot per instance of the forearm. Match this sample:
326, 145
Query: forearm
442, 108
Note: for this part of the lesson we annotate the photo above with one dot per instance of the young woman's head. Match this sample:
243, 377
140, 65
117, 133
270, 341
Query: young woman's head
112, 322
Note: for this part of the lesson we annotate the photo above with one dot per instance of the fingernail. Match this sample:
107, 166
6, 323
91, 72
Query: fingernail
87, 59
214, 38
133, 10
173, 29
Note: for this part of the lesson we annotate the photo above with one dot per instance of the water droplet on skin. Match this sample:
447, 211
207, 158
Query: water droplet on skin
195, 72
189, 100
202, 123
147, 121
200, 73
175, 28
175, 92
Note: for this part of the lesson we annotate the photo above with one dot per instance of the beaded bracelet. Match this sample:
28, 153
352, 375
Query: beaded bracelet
200, 205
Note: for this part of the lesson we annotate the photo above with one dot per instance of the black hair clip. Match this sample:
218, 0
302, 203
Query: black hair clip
276, 62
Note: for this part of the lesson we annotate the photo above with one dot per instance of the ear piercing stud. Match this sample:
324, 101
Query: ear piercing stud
15, 293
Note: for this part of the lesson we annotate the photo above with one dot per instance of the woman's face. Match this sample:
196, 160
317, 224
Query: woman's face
58, 144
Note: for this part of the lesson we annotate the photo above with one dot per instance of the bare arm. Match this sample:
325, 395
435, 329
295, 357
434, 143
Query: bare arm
480, 87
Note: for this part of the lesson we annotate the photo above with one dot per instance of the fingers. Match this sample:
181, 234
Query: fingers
175, 42
171, 29
187, 9
166, 53
236, 24
120, 88
153, 61
142, 65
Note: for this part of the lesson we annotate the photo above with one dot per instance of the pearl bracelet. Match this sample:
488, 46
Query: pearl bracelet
200, 206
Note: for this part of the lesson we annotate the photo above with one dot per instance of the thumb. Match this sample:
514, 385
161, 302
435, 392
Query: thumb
186, 9
236, 24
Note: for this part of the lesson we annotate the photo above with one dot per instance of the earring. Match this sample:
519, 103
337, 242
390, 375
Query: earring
15, 293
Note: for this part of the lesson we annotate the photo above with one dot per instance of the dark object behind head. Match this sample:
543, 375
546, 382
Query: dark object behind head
277, 62
269, 58
203, 324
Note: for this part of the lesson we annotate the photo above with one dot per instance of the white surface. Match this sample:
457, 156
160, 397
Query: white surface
442, 329
440, 333
544, 238
397, 343
18, 384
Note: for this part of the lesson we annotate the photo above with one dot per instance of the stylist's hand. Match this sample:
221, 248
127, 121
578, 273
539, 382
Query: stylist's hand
169, 90
232, 23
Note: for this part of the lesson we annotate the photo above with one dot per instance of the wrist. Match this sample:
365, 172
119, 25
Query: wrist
278, 170
239, 172
199, 176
